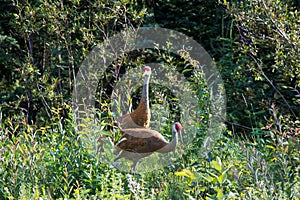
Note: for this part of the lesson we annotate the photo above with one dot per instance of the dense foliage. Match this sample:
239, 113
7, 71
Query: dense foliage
254, 44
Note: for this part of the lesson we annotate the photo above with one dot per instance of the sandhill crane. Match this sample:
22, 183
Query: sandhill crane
137, 143
140, 117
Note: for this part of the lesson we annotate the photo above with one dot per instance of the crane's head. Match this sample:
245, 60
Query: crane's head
146, 71
177, 128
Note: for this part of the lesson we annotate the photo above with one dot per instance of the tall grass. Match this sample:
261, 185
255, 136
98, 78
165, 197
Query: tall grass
52, 163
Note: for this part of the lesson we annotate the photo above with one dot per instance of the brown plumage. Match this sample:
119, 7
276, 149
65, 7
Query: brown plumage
140, 117
137, 143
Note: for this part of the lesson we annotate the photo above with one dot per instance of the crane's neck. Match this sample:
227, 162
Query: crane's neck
171, 145
145, 92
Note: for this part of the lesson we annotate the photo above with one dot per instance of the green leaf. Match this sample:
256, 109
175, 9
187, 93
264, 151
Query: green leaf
186, 173
217, 164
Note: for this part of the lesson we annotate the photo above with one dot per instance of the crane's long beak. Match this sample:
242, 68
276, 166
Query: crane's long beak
180, 136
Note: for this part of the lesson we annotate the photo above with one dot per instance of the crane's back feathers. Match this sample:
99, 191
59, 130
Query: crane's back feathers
139, 118
141, 140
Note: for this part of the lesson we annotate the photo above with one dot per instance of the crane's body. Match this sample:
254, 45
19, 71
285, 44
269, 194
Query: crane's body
137, 143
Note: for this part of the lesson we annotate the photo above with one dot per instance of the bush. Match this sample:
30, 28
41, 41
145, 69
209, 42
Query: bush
260, 62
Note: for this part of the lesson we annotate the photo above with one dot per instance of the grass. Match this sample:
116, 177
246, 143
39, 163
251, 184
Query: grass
53, 163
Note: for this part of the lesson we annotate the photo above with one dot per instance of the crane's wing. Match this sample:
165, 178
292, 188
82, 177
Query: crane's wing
141, 141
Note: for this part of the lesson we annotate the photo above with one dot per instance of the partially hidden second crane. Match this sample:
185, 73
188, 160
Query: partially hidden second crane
137, 143
140, 117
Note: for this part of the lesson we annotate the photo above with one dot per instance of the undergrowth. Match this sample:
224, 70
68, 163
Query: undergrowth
52, 163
